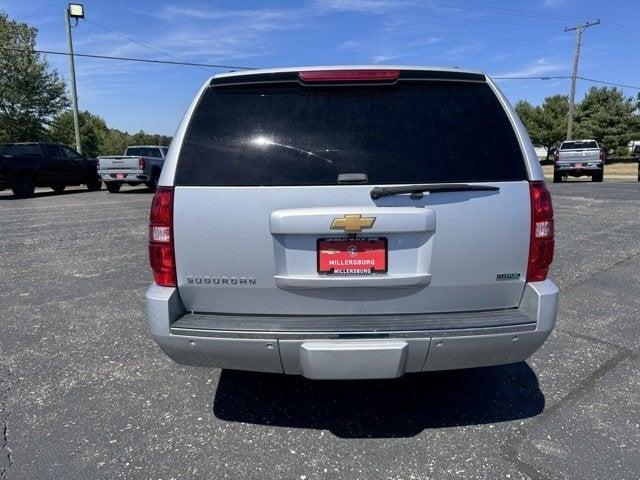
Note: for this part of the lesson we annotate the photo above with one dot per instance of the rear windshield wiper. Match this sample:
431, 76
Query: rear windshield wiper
417, 191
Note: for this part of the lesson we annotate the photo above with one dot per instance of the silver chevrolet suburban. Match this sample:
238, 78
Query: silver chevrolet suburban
350, 223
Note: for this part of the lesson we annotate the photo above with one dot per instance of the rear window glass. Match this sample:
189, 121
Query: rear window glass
22, 150
289, 134
576, 145
144, 152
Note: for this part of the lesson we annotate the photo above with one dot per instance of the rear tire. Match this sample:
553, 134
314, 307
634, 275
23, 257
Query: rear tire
557, 178
23, 187
94, 185
58, 188
152, 185
113, 187
597, 177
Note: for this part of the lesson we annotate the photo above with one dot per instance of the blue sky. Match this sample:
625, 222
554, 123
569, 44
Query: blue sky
499, 37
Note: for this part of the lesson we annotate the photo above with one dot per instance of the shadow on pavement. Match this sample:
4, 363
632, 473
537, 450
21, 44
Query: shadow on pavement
8, 195
134, 191
382, 408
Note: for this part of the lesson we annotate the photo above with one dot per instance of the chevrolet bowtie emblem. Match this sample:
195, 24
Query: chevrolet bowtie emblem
352, 223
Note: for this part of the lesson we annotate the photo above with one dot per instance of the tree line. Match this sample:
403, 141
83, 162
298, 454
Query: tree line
34, 105
605, 114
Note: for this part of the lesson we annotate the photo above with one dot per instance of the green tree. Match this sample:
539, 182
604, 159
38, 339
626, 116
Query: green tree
606, 115
547, 123
115, 142
93, 131
143, 138
30, 92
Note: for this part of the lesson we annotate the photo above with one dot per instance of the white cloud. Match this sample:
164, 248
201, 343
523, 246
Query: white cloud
351, 45
502, 56
541, 66
369, 6
462, 50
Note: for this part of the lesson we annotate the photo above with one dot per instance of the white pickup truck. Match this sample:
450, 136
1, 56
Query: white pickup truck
579, 158
139, 164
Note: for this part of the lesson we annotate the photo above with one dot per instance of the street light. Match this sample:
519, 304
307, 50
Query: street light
75, 11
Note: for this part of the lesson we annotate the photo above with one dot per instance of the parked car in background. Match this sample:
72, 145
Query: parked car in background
636, 153
25, 166
577, 158
301, 228
139, 164
541, 152
632, 146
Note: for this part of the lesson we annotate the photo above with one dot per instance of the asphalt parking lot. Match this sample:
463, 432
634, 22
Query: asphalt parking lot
85, 393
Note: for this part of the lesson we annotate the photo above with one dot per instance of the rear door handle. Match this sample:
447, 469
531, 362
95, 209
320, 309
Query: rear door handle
318, 221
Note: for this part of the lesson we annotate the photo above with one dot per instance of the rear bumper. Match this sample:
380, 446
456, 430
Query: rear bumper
353, 347
129, 176
574, 171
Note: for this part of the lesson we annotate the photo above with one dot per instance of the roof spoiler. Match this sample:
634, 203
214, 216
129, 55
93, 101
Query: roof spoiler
347, 76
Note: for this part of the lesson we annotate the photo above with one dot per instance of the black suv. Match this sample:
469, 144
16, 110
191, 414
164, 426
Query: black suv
25, 166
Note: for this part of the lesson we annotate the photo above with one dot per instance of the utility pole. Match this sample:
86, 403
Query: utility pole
572, 98
74, 11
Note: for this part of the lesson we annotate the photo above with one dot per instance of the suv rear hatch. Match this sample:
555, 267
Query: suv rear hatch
264, 208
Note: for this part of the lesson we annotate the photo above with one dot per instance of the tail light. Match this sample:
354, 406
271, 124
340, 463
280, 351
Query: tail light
542, 235
556, 156
602, 155
140, 163
161, 255
98, 164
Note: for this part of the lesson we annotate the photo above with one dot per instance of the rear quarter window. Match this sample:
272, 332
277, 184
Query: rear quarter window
290, 134
144, 152
30, 150
578, 145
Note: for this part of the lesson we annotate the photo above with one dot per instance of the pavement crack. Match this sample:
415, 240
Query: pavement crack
509, 448
619, 348
588, 277
6, 461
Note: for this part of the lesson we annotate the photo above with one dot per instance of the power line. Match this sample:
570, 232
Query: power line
128, 59
611, 51
615, 39
508, 11
609, 83
115, 32
633, 29
235, 67
365, 9
555, 77
621, 30
567, 77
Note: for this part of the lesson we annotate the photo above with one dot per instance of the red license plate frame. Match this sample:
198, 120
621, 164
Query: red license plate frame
365, 256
